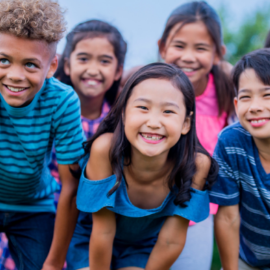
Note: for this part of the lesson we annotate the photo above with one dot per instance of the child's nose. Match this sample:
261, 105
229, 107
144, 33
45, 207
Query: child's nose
16, 74
92, 68
153, 121
188, 56
256, 106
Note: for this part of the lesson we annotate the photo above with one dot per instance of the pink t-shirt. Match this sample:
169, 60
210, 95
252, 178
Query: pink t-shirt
209, 123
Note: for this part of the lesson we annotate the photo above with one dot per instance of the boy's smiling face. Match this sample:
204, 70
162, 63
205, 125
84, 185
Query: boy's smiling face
24, 65
252, 105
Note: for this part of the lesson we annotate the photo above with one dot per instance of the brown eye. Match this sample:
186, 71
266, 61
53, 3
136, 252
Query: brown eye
168, 111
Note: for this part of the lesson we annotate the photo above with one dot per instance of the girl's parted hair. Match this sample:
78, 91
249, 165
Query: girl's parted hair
201, 11
182, 154
92, 29
33, 19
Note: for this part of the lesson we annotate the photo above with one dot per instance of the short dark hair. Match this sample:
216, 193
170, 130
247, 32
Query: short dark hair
92, 29
259, 61
267, 41
182, 154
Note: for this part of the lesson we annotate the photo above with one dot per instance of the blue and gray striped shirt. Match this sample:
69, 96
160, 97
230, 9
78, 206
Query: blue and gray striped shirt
26, 138
242, 180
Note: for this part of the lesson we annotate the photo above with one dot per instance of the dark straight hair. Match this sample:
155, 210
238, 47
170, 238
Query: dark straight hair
267, 41
92, 29
201, 11
259, 61
182, 155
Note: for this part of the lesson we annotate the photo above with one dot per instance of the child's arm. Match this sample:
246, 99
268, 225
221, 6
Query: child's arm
104, 225
227, 224
101, 241
172, 237
65, 221
170, 243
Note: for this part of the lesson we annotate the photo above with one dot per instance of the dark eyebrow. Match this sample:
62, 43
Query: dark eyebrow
31, 60
203, 44
87, 54
178, 41
244, 91
5, 55
248, 90
170, 104
143, 99
264, 89
163, 103
26, 59
197, 44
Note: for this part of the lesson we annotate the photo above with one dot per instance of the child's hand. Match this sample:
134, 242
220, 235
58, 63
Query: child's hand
50, 267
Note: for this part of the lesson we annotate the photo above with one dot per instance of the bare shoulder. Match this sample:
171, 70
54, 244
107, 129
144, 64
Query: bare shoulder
203, 164
99, 165
226, 67
102, 145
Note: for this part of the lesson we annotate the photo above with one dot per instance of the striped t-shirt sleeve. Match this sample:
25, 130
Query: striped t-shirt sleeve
68, 133
226, 190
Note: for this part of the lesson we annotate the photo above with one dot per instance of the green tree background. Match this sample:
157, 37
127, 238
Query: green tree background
246, 37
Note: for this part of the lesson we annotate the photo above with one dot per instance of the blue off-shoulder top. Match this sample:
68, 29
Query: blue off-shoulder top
134, 223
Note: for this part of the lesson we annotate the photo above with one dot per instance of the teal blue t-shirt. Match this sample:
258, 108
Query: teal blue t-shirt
26, 138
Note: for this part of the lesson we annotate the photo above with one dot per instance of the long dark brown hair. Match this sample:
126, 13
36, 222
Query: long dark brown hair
201, 11
92, 29
182, 154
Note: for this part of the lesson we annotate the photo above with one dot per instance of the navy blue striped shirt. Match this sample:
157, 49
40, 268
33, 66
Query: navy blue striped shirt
26, 138
242, 180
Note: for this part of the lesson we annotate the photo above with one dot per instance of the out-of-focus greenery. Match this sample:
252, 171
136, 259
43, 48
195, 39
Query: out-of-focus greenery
216, 264
248, 36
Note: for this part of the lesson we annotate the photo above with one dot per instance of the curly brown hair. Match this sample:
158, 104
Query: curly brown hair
33, 19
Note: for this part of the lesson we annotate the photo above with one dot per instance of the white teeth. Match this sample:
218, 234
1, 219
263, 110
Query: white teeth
13, 89
258, 121
187, 69
92, 83
153, 138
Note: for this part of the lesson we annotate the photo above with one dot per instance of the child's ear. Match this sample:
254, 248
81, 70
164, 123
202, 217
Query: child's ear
217, 58
118, 73
187, 124
235, 101
66, 67
161, 48
53, 67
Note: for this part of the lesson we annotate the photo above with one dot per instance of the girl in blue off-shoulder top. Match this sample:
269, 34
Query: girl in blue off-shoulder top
147, 175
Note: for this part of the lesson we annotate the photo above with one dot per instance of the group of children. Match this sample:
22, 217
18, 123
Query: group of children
130, 167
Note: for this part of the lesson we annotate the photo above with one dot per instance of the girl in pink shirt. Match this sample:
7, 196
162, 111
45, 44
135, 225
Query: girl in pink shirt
192, 40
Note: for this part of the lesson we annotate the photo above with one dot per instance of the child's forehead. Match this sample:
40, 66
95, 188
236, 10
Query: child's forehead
15, 46
249, 80
154, 89
178, 27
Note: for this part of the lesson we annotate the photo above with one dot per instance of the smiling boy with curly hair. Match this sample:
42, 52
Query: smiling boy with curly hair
36, 111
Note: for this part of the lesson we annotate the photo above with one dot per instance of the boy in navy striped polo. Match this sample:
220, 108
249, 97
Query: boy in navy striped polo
243, 186
36, 111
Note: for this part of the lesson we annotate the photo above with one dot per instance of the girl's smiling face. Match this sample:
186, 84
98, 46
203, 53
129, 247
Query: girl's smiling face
155, 117
192, 49
93, 67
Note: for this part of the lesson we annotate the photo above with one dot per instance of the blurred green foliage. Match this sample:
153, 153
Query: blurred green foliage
246, 37
216, 264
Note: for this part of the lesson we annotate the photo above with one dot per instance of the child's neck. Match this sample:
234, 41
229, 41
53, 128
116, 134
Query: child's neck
91, 107
200, 86
148, 169
264, 153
